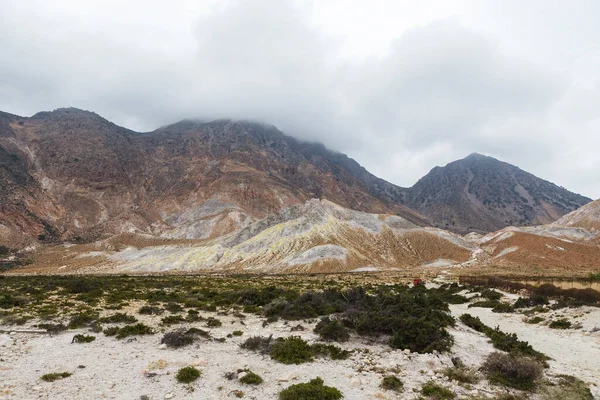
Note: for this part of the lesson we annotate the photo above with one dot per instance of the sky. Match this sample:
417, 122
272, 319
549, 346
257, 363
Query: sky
400, 86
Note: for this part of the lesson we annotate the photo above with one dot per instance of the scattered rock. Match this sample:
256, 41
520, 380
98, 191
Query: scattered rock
355, 382
163, 346
287, 378
169, 396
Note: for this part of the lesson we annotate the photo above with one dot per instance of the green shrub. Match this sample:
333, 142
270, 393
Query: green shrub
128, 330
485, 304
562, 323
82, 319
566, 388
422, 336
514, 371
118, 318
502, 307
213, 322
112, 331
331, 330
251, 379
150, 310
291, 350
313, 390
181, 338
187, 375
392, 383
436, 392
83, 339
237, 333
502, 341
327, 350
173, 307
532, 301
172, 320
491, 294
55, 376
594, 277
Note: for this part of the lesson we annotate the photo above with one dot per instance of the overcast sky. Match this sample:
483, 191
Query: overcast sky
401, 86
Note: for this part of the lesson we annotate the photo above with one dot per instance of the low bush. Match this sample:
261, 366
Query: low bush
562, 323
250, 378
83, 339
259, 344
82, 319
532, 301
181, 338
566, 388
514, 371
534, 320
391, 382
173, 307
327, 350
118, 318
237, 333
313, 390
212, 322
485, 304
508, 342
112, 331
436, 392
187, 375
502, 307
150, 310
172, 320
177, 339
291, 350
55, 376
331, 330
421, 336
128, 330
491, 294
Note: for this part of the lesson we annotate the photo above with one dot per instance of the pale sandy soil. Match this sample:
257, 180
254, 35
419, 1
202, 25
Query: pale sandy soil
573, 351
119, 369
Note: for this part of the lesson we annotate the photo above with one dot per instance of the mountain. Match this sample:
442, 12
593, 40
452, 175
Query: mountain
482, 194
72, 175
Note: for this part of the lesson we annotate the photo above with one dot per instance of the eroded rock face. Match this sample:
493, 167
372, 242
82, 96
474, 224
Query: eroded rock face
72, 175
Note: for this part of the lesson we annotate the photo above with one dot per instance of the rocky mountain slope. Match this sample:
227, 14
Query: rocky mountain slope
318, 236
72, 175
586, 217
480, 193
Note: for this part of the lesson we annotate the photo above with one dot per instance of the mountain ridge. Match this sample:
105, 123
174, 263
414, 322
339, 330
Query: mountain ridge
72, 175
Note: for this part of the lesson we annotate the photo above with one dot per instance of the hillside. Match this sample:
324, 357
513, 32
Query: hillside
72, 175
480, 193
586, 217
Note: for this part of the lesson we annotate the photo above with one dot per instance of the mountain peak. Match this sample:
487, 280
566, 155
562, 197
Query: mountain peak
477, 156
481, 193
65, 112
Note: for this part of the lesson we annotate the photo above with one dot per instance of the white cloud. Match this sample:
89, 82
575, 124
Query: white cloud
399, 86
